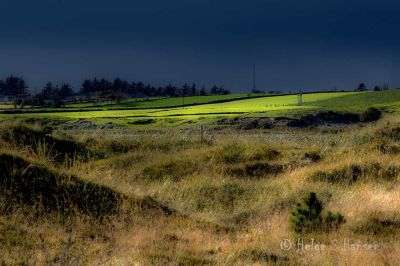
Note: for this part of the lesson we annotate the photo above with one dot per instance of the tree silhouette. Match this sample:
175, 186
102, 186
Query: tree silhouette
185, 90
118, 89
362, 87
203, 91
16, 89
49, 96
65, 90
193, 90
86, 86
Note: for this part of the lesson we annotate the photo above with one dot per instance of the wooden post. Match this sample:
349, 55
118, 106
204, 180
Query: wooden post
202, 132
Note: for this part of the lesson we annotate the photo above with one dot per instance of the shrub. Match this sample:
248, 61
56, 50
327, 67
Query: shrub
370, 115
312, 156
334, 220
142, 122
254, 170
255, 123
348, 174
263, 153
378, 224
307, 217
357, 172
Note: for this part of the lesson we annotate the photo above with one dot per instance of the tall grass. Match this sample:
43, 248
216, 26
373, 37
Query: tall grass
232, 194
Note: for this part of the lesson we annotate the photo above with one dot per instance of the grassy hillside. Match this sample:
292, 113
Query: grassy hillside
226, 200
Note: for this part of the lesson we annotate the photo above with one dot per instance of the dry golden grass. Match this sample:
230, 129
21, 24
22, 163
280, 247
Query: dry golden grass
223, 218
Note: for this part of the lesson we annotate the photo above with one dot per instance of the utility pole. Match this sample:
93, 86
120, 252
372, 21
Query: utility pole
183, 98
300, 98
254, 78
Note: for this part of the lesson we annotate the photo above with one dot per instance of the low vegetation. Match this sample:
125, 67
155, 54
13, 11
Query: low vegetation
164, 196
307, 217
244, 111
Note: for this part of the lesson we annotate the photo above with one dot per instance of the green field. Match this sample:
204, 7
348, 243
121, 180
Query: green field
145, 103
204, 109
176, 101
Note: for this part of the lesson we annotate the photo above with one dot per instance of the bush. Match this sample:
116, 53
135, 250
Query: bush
248, 124
307, 217
334, 220
312, 156
352, 173
378, 224
263, 153
370, 115
348, 174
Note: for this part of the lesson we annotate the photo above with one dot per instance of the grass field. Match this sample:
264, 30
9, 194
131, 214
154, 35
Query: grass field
77, 190
271, 106
177, 101
160, 102
161, 196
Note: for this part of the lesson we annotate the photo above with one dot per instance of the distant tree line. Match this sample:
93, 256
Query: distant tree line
363, 87
105, 89
15, 89
53, 95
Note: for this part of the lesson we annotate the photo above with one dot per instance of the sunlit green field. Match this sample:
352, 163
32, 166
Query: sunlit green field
270, 106
143, 103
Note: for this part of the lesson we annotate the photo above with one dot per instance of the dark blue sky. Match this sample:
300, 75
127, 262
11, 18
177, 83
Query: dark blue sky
308, 45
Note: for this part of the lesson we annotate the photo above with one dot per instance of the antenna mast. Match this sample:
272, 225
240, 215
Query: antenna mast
254, 78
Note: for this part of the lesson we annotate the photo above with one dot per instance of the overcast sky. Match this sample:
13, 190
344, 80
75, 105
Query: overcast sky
308, 45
